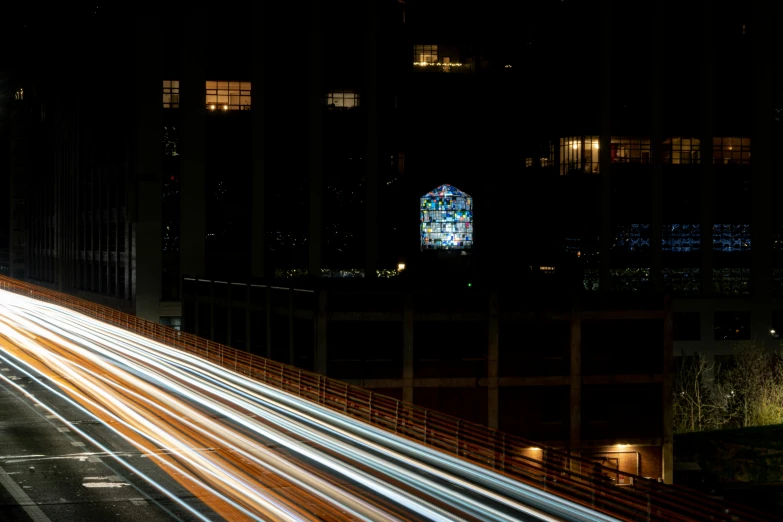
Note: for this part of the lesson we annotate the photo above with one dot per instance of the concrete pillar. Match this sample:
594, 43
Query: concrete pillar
763, 168
258, 184
493, 393
291, 355
667, 390
656, 144
193, 146
148, 255
320, 332
407, 349
707, 169
316, 144
268, 313
371, 153
604, 153
575, 403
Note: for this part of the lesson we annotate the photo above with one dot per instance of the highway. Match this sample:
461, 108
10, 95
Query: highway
164, 435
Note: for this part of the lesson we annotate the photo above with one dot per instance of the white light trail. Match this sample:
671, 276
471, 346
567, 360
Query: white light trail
273, 452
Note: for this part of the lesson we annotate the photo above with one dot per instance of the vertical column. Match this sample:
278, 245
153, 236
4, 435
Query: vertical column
316, 143
268, 311
148, 265
193, 145
258, 183
575, 436
667, 439
371, 153
407, 349
291, 355
212, 310
656, 144
248, 319
763, 167
604, 155
707, 170
320, 332
493, 393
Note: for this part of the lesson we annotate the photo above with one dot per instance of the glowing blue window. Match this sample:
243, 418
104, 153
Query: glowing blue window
446, 215
683, 237
632, 238
731, 238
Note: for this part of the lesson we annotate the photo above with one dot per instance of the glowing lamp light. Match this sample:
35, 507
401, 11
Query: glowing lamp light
225, 107
400, 267
212, 107
535, 449
772, 332
575, 145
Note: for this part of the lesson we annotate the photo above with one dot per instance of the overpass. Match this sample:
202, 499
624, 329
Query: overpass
241, 437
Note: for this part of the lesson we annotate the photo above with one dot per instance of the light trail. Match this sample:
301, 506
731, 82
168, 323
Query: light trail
275, 456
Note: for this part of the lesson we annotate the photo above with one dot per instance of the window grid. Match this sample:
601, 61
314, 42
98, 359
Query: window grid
632, 238
630, 150
630, 279
731, 151
731, 238
228, 96
425, 54
579, 154
171, 94
342, 100
590, 279
446, 219
681, 151
682, 282
681, 237
731, 281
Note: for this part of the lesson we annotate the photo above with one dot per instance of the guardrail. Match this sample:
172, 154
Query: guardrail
558, 472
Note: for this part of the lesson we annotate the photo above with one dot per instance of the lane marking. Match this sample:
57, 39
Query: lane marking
114, 478
138, 501
105, 484
49, 416
63, 430
77, 443
26, 503
94, 459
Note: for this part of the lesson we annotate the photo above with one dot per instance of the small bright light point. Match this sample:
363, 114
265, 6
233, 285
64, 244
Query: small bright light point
535, 449
470, 284
772, 332
212, 107
225, 107
400, 267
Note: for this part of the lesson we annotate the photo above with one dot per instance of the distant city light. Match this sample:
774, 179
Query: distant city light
400, 267
437, 64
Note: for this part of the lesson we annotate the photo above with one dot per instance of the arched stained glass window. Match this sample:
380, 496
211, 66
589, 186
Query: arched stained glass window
446, 219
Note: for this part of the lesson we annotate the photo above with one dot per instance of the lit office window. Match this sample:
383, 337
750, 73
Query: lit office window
731, 238
528, 162
681, 151
579, 154
342, 100
731, 151
446, 219
683, 282
731, 281
632, 238
549, 159
170, 94
630, 279
424, 54
681, 237
228, 96
630, 150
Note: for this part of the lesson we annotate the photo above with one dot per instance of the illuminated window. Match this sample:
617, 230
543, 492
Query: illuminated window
682, 281
579, 154
228, 96
19, 95
731, 281
171, 94
632, 238
590, 279
731, 151
342, 100
630, 279
683, 237
630, 150
681, 151
423, 54
528, 162
446, 219
549, 159
731, 238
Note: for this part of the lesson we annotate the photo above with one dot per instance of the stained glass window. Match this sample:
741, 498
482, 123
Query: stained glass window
446, 215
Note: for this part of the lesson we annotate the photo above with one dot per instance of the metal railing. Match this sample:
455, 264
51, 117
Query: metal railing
568, 476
